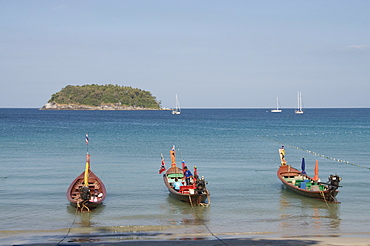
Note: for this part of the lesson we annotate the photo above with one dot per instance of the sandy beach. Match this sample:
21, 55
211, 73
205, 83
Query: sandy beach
179, 236
318, 241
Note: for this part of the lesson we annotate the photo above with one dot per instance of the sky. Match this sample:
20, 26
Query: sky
211, 53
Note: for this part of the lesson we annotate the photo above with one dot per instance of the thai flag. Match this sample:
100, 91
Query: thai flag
163, 166
87, 138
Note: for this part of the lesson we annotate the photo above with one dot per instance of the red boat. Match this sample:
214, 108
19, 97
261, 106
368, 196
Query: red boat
301, 183
87, 191
194, 193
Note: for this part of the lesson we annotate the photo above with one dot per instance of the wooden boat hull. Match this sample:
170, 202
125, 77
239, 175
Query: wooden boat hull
292, 179
188, 194
96, 187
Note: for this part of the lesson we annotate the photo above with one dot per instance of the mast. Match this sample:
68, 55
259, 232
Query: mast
277, 110
173, 156
177, 107
299, 110
87, 166
177, 104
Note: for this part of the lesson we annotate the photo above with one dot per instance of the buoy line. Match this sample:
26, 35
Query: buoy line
316, 133
314, 153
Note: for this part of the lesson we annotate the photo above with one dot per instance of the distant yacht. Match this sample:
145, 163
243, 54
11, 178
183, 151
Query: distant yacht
277, 110
177, 110
299, 110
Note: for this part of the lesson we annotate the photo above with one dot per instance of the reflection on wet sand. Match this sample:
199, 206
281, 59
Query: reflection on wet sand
84, 219
181, 213
180, 223
309, 216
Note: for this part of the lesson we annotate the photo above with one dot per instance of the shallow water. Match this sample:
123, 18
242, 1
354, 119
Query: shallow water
235, 149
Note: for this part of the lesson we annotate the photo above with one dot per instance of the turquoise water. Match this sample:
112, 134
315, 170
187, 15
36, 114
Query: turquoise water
236, 150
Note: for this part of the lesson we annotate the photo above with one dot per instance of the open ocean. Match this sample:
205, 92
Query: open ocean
41, 152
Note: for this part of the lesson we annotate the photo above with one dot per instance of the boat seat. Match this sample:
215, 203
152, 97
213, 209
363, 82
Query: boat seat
290, 179
75, 194
175, 175
317, 188
187, 189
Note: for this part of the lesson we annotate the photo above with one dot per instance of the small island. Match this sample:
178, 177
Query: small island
102, 97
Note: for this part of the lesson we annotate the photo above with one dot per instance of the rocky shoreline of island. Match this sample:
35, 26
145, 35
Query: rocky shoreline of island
56, 106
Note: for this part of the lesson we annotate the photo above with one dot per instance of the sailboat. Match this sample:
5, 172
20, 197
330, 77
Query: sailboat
299, 110
177, 110
277, 110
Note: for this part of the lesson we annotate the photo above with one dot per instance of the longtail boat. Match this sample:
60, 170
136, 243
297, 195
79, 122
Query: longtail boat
87, 191
194, 192
301, 183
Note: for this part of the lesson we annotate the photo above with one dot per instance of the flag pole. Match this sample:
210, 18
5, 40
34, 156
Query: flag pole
87, 166
163, 165
87, 143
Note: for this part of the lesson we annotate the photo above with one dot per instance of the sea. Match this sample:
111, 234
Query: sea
236, 150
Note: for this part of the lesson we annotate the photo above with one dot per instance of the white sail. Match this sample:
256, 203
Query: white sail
177, 109
299, 110
277, 110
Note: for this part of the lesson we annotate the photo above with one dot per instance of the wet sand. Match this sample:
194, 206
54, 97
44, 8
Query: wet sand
182, 236
320, 241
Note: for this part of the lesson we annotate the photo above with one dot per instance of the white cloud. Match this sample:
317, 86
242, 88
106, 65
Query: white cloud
357, 47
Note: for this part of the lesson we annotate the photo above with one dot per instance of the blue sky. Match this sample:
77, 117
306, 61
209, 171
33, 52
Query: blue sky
212, 53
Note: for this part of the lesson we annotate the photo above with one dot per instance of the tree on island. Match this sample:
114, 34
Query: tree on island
98, 95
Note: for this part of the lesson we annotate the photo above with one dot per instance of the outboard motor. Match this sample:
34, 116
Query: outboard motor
200, 186
85, 193
333, 182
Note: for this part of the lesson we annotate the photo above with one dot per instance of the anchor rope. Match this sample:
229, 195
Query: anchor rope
219, 239
209, 230
191, 202
323, 196
314, 153
69, 229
